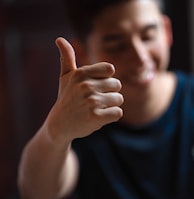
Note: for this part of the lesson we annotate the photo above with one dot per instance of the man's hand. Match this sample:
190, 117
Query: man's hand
88, 97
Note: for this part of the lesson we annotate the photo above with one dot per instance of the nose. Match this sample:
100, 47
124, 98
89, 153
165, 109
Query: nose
139, 52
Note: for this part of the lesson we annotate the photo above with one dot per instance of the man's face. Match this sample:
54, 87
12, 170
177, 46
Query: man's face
135, 38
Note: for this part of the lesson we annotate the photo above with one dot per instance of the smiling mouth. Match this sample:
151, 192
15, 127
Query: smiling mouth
142, 77
146, 75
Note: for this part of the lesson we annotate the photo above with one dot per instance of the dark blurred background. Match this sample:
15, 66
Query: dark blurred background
29, 68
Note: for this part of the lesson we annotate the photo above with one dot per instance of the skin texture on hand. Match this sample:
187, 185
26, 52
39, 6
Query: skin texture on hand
88, 97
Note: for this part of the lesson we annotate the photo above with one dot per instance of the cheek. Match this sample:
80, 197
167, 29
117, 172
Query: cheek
160, 54
95, 56
121, 72
166, 59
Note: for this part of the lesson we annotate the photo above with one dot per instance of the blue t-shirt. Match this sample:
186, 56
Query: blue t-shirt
151, 162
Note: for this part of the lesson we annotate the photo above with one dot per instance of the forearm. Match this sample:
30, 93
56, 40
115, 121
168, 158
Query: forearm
88, 99
47, 169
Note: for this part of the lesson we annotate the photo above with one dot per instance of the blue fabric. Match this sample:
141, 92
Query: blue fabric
150, 162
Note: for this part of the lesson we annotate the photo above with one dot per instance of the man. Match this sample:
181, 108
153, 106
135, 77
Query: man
123, 49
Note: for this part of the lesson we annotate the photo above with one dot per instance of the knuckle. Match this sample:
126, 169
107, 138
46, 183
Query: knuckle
93, 101
95, 114
79, 74
86, 87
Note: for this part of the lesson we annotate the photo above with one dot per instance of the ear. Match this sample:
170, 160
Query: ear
168, 29
80, 51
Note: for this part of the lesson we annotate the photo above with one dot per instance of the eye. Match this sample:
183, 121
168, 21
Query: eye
149, 36
115, 43
149, 33
116, 47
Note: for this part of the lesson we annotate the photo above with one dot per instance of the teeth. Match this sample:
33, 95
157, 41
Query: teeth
146, 75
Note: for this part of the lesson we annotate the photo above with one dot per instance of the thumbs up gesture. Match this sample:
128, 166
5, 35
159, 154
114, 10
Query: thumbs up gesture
88, 97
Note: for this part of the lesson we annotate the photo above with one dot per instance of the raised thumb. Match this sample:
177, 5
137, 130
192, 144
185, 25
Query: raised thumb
67, 56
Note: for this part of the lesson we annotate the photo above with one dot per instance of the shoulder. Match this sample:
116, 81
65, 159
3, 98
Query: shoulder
185, 86
185, 78
185, 83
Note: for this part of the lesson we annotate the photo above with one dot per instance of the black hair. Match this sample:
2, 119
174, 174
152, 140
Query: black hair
80, 14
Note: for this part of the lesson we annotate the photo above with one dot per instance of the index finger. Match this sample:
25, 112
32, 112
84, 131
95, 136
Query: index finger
99, 70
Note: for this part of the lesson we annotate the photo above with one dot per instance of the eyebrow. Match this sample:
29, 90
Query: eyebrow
150, 26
